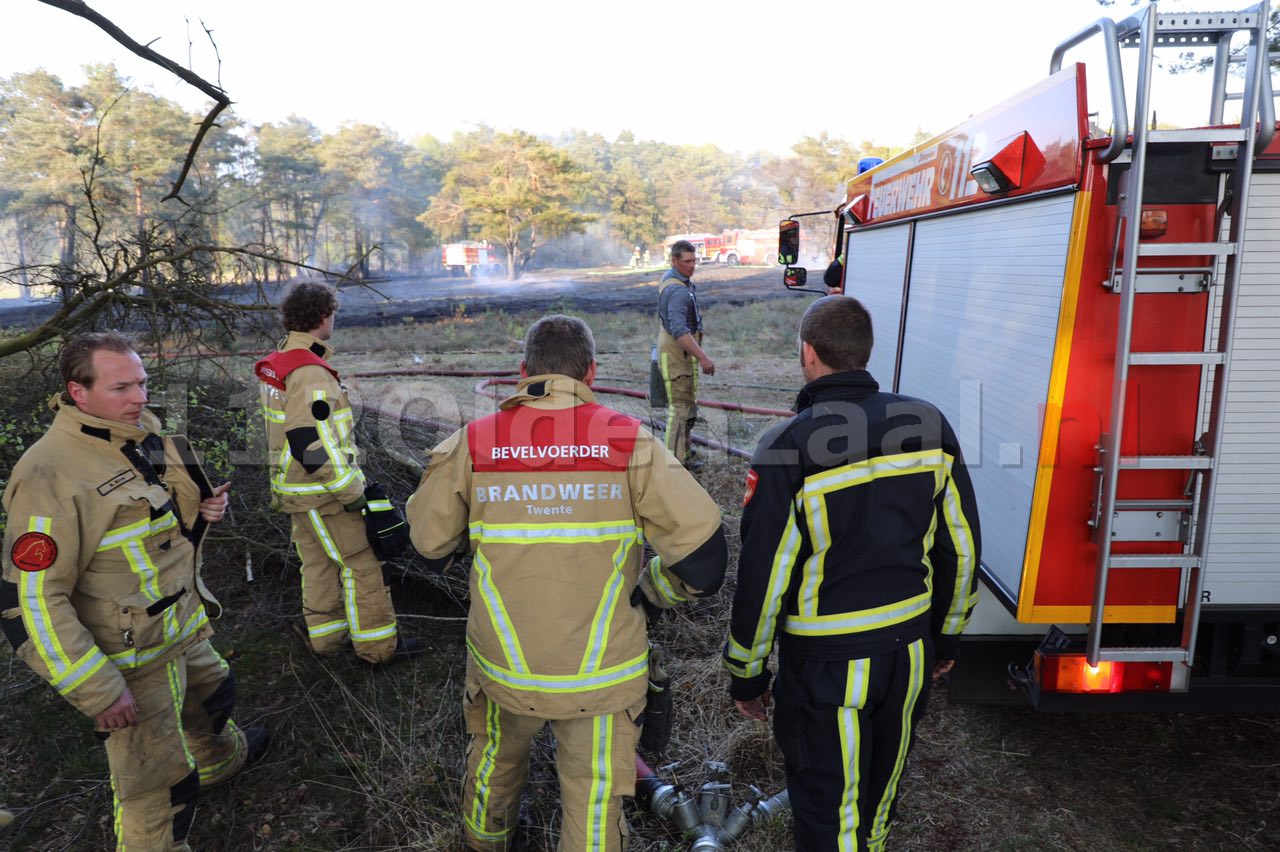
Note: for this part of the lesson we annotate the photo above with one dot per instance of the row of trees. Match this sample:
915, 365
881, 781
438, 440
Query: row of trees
86, 166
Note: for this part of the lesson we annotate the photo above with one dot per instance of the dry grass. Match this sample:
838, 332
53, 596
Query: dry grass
372, 760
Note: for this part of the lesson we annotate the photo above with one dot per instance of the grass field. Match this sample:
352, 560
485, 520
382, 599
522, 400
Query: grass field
372, 760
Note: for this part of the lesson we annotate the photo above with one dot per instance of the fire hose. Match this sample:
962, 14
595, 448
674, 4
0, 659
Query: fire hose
709, 816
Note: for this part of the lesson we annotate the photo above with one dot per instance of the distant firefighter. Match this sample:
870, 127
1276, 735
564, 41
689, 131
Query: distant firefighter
680, 353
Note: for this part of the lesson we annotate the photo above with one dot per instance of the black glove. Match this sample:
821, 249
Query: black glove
658, 707
384, 524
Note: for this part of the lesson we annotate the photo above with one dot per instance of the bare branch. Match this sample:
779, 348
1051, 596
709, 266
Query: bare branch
81, 9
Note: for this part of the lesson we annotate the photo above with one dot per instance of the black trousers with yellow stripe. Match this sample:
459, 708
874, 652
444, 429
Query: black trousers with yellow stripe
845, 728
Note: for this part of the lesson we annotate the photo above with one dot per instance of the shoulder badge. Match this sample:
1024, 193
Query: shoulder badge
752, 479
34, 551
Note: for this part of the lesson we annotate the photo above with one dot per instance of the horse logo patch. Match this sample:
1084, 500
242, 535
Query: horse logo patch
34, 551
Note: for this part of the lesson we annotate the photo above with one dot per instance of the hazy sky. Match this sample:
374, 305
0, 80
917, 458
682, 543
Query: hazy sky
680, 72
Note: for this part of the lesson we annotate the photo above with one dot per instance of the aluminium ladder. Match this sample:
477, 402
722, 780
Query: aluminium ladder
1147, 32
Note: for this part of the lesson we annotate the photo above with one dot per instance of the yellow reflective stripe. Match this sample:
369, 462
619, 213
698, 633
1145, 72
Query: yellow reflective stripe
668, 436
850, 757
327, 628
330, 439
273, 415
814, 566
880, 467
40, 524
498, 615
145, 528
752, 660
659, 579
131, 658
880, 825
857, 622
380, 505
599, 642
548, 534
211, 771
479, 816
966, 563
39, 623
83, 669
117, 816
601, 679
601, 782
177, 693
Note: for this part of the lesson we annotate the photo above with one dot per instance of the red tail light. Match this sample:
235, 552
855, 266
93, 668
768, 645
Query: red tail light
1072, 673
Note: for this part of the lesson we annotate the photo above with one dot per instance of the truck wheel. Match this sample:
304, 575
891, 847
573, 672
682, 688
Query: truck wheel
732, 260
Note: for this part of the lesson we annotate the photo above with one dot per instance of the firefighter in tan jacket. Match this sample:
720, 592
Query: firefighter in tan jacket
555, 496
102, 597
316, 479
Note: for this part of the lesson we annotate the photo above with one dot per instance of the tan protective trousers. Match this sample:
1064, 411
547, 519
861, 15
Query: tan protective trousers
681, 380
184, 740
343, 593
595, 760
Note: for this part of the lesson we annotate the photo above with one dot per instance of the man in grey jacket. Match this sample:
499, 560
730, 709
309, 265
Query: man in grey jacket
680, 352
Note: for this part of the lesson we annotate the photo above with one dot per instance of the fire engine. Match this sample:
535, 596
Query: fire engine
1098, 315
731, 246
470, 258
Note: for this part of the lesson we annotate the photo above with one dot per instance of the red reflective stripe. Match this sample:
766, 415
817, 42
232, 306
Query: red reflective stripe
276, 367
587, 437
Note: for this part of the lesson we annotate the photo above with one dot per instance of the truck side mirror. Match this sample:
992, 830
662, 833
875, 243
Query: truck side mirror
794, 277
788, 242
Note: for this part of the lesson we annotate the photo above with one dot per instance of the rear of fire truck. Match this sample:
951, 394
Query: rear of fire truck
1098, 314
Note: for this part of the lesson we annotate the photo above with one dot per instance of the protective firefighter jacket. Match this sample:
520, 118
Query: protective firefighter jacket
101, 554
310, 427
556, 496
859, 533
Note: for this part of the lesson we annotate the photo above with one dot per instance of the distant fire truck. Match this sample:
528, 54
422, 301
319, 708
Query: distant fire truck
471, 258
732, 246
1099, 318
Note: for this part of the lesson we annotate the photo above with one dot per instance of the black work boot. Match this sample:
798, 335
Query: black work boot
405, 649
258, 739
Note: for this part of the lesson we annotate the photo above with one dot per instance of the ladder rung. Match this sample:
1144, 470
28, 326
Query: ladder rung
1174, 654
1154, 560
1199, 134
1153, 505
1179, 249
1157, 280
1165, 462
1175, 359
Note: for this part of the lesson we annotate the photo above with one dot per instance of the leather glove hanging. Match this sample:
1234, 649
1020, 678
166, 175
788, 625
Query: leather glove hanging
384, 524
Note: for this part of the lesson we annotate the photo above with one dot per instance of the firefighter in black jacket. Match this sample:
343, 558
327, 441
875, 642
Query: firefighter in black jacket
860, 548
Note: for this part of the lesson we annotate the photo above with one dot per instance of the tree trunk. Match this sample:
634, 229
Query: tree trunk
141, 217
66, 250
24, 286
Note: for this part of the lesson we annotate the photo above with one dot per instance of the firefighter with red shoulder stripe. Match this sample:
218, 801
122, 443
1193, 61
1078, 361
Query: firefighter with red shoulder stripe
860, 548
343, 527
101, 593
555, 495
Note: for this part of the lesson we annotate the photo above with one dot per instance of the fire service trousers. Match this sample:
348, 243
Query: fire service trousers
681, 381
844, 728
184, 740
343, 592
595, 761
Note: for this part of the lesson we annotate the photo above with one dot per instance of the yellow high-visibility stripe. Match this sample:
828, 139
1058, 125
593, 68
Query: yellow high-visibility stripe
349, 601
559, 684
479, 816
601, 782
82, 670
35, 610
659, 579
131, 658
117, 816
814, 566
273, 415
966, 562
880, 467
601, 531
326, 629
838, 624
749, 662
670, 433
147, 527
880, 825
850, 755
177, 693
599, 641
212, 771
498, 615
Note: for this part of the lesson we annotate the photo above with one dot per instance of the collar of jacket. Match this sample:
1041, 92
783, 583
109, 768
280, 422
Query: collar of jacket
671, 273
68, 418
551, 390
854, 384
302, 340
